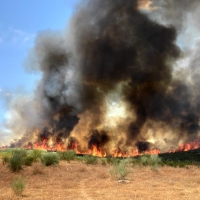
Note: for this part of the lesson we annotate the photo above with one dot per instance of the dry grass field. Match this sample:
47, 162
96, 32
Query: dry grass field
78, 181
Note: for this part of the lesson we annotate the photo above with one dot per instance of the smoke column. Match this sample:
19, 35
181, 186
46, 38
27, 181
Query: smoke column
120, 77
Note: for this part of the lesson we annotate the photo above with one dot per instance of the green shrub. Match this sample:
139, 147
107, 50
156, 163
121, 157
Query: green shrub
119, 170
67, 155
28, 160
178, 163
89, 159
150, 160
16, 162
36, 154
155, 159
20, 152
50, 159
103, 161
170, 163
80, 158
113, 161
129, 161
6, 158
18, 185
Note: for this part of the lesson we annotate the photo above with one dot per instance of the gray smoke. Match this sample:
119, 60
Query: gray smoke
110, 43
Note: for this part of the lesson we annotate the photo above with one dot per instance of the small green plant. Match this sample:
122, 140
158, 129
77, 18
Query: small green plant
50, 159
67, 155
150, 160
113, 161
103, 161
20, 152
18, 185
28, 160
80, 159
155, 160
36, 154
129, 161
119, 171
177, 163
5, 158
16, 162
90, 160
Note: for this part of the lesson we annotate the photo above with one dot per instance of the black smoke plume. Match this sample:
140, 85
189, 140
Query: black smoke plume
111, 43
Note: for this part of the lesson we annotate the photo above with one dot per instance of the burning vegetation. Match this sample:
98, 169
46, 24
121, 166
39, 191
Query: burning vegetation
113, 83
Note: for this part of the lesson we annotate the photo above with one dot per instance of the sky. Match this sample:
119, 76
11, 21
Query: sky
20, 22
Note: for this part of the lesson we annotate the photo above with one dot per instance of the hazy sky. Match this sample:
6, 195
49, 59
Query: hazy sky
20, 22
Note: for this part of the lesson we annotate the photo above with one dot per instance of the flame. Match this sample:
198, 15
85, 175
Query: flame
95, 151
135, 152
146, 5
186, 147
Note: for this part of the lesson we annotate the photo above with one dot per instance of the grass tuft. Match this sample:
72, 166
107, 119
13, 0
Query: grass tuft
67, 155
103, 161
150, 160
28, 160
50, 159
16, 162
119, 170
18, 185
113, 161
36, 154
90, 160
20, 152
6, 157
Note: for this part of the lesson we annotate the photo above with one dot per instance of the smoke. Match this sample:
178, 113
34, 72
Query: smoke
112, 79
175, 13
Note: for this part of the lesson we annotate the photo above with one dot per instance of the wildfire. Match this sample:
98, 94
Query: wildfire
186, 147
95, 151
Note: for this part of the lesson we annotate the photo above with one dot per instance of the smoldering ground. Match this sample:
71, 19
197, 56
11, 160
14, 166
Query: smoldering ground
110, 79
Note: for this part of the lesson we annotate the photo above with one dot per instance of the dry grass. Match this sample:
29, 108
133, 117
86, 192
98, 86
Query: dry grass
77, 181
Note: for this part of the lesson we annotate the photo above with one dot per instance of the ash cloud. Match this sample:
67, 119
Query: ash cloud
110, 43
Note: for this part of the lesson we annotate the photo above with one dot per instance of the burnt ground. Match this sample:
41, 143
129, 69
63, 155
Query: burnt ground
77, 181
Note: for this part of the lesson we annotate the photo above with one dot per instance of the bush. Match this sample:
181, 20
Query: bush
177, 163
80, 159
119, 171
150, 160
89, 159
50, 159
36, 154
67, 155
113, 161
18, 185
16, 162
103, 161
28, 160
5, 158
20, 152
129, 161
154, 161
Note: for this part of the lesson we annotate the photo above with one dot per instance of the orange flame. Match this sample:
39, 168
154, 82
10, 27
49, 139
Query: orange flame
186, 147
95, 151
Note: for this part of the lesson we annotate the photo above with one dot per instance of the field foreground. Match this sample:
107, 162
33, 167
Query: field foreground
77, 181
